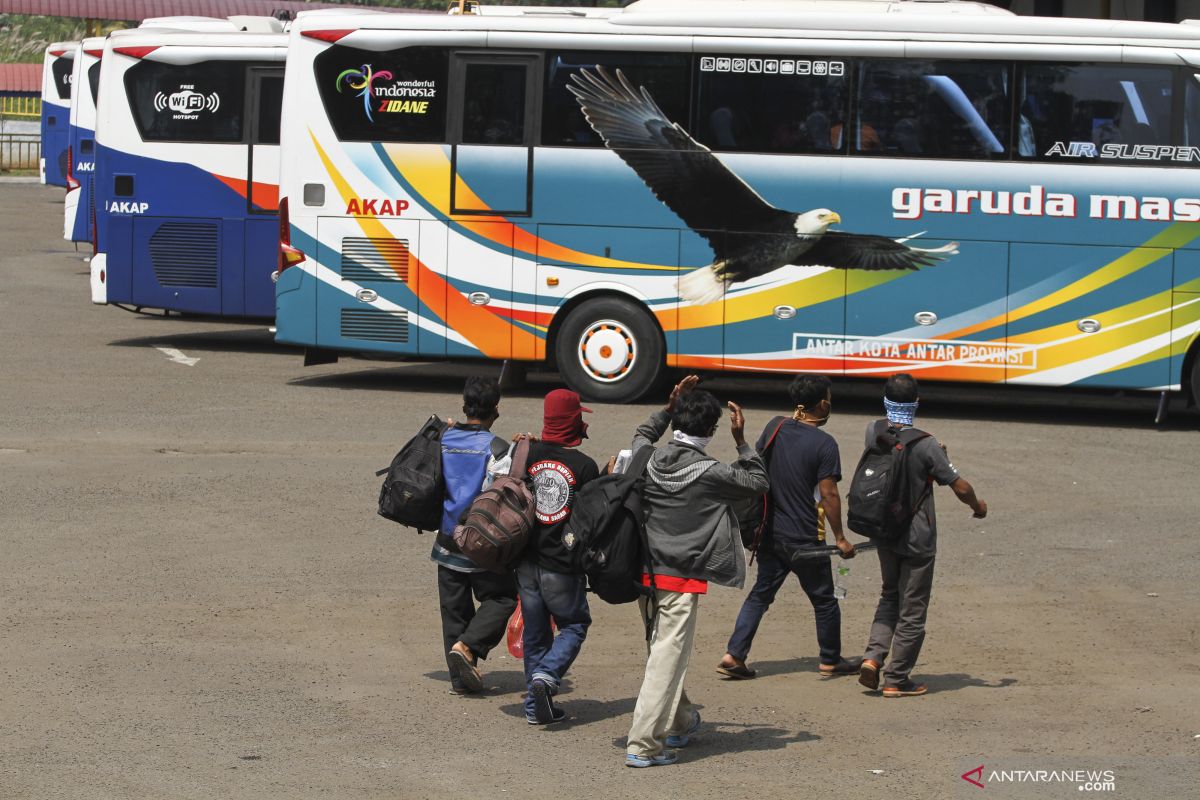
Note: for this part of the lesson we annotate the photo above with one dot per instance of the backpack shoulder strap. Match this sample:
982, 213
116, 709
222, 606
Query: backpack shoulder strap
910, 436
520, 458
766, 453
637, 464
499, 448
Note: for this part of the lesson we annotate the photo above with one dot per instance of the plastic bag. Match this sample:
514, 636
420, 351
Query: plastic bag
516, 632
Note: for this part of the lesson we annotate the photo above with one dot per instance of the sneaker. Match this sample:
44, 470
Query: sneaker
542, 691
661, 760
682, 739
559, 716
868, 674
906, 689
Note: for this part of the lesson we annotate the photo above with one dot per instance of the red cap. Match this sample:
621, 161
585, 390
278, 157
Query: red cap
563, 418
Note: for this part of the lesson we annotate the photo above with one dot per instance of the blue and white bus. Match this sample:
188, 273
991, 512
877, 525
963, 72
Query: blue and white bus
856, 188
56, 112
188, 170
79, 204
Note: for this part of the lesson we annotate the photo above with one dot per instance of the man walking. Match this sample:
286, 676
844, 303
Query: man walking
471, 457
550, 584
805, 467
906, 564
693, 538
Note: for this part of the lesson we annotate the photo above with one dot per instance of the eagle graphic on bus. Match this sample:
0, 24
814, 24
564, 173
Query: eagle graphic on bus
749, 236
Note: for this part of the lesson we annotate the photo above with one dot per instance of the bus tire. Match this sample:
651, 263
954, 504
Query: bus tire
1195, 377
610, 350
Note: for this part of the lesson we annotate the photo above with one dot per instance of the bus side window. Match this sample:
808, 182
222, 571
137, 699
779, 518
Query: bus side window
494, 104
770, 105
61, 69
935, 109
1090, 112
385, 96
1191, 114
270, 103
664, 76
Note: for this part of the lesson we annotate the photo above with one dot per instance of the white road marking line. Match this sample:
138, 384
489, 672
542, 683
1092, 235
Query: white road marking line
176, 355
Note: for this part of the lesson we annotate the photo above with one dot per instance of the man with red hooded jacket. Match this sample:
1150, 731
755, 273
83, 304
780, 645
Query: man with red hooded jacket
550, 584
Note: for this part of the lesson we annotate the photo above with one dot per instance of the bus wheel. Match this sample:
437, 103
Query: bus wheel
1196, 379
610, 350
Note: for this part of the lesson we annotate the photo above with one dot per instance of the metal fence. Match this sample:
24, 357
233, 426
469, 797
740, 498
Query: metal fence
21, 107
19, 151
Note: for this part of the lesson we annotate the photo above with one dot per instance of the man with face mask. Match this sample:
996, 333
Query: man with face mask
805, 466
551, 585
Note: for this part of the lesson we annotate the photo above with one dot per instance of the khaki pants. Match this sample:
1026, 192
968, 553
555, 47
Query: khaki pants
662, 706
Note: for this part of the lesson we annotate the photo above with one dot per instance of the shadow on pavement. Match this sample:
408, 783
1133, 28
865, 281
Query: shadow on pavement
953, 681
719, 738
988, 403
583, 711
241, 340
785, 666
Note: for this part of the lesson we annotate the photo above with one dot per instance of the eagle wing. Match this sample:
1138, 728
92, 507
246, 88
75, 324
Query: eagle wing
681, 172
860, 251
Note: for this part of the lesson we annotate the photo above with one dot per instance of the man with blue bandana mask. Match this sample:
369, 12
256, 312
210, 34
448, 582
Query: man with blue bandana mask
906, 564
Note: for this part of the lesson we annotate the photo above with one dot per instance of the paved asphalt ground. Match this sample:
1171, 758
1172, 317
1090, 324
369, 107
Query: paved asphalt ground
199, 601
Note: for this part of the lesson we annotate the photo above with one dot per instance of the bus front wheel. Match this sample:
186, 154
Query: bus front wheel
610, 350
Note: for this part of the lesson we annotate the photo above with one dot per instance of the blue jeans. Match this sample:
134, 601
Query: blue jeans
546, 594
816, 578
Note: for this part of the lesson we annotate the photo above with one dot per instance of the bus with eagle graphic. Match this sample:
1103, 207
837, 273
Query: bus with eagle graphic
845, 188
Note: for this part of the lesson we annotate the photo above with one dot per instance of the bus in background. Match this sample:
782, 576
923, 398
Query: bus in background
56, 111
188, 171
840, 187
78, 211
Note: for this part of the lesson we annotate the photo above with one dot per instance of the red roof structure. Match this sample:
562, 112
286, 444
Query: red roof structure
137, 10
21, 79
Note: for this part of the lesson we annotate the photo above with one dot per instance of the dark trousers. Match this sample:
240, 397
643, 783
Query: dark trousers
478, 628
899, 626
816, 578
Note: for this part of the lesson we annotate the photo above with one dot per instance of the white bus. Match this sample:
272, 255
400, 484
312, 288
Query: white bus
858, 188
188, 170
56, 111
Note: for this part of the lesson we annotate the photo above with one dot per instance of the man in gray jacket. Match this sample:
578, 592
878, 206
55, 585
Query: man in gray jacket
694, 539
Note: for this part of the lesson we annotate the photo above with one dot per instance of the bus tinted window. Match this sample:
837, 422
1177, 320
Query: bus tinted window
494, 104
389, 96
664, 75
1092, 112
94, 81
200, 102
60, 69
770, 105
932, 109
270, 103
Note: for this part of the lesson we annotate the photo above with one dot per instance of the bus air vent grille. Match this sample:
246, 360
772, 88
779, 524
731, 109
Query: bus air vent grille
185, 254
374, 325
366, 259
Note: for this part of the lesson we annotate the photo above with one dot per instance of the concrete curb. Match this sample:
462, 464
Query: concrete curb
20, 179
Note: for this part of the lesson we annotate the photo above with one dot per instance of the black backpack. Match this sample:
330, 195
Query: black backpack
881, 505
413, 492
606, 533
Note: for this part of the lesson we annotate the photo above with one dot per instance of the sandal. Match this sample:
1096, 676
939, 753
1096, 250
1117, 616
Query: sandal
738, 672
464, 672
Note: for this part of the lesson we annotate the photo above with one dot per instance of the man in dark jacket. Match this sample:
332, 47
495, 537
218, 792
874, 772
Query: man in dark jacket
805, 467
550, 584
471, 456
694, 539
906, 564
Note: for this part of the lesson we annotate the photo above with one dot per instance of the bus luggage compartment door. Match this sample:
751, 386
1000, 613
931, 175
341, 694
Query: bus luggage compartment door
176, 264
368, 284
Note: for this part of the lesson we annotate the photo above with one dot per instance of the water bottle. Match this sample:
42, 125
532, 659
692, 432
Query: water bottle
841, 577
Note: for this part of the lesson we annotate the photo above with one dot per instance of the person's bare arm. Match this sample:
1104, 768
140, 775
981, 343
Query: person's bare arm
831, 501
966, 493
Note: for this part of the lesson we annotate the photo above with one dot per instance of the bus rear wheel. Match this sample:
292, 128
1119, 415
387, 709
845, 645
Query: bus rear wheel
1196, 378
610, 350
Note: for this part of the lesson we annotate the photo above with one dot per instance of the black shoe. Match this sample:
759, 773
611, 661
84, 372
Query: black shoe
842, 667
559, 716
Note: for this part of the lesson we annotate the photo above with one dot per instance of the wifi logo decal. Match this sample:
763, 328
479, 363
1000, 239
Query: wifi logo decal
187, 101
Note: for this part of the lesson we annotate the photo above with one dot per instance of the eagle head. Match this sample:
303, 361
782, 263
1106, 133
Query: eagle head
816, 222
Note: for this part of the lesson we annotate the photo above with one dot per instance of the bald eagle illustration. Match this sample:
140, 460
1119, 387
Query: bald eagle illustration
748, 235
